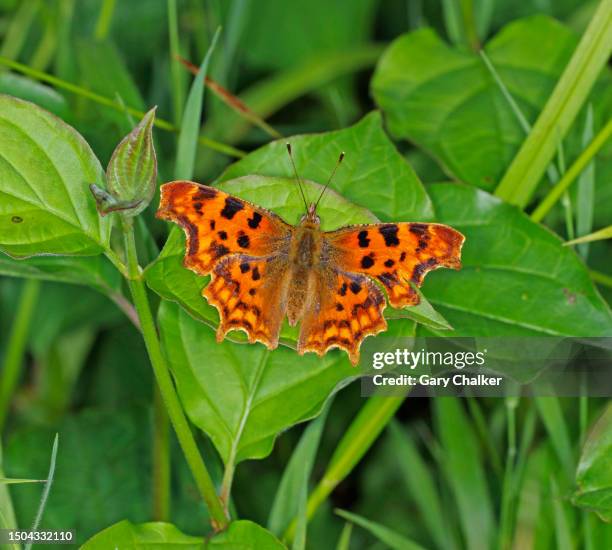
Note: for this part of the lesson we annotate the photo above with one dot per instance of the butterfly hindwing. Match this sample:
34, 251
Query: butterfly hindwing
396, 254
342, 310
217, 224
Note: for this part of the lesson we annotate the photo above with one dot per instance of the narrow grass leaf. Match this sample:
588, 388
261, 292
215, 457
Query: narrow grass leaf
295, 477
421, 485
188, 136
11, 481
344, 542
590, 56
46, 490
465, 473
549, 409
605, 233
563, 529
585, 201
391, 538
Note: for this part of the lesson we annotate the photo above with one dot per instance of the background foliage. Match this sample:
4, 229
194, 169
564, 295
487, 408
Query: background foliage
430, 126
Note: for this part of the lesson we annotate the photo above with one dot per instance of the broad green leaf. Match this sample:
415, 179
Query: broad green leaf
517, 277
244, 535
30, 90
45, 169
295, 477
94, 271
243, 395
167, 276
446, 101
465, 473
126, 535
387, 536
373, 174
594, 474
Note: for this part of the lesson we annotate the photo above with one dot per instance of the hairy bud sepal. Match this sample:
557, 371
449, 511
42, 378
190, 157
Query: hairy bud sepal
131, 175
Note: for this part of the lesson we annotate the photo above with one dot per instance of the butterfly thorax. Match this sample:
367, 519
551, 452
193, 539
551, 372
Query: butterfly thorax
304, 261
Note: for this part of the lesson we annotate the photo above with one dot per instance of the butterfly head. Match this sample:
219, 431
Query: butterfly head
311, 218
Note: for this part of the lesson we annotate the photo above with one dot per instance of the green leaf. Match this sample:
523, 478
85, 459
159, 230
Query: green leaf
167, 276
94, 271
465, 473
126, 535
390, 538
45, 168
373, 174
242, 396
594, 474
245, 535
190, 127
30, 90
517, 277
131, 175
447, 102
295, 477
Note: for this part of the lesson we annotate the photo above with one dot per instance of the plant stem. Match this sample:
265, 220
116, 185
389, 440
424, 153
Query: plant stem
13, 359
186, 440
177, 81
573, 172
469, 24
530, 163
161, 459
117, 106
508, 495
361, 434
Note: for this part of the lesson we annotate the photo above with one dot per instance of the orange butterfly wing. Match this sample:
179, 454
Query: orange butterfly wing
217, 224
396, 254
242, 246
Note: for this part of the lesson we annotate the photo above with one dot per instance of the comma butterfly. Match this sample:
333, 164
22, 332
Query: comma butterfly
264, 269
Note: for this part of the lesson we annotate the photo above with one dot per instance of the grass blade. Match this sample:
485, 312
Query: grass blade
46, 490
465, 473
605, 233
190, 128
549, 409
177, 76
592, 53
12, 481
421, 486
344, 542
296, 476
586, 190
563, 529
389, 537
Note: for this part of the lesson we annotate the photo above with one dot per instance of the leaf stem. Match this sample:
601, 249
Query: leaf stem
161, 459
361, 434
572, 173
13, 359
104, 19
117, 106
168, 393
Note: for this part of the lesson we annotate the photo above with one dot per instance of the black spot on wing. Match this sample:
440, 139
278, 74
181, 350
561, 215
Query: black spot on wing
222, 235
339, 307
355, 287
362, 237
255, 274
204, 193
198, 207
367, 261
342, 289
243, 240
212, 225
389, 263
389, 233
219, 249
232, 205
244, 267
255, 220
418, 229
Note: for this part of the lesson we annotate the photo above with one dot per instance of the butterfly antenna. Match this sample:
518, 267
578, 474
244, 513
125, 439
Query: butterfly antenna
331, 177
297, 177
